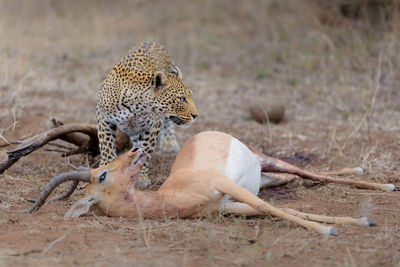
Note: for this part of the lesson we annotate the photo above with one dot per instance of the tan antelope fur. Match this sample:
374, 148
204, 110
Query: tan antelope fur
213, 173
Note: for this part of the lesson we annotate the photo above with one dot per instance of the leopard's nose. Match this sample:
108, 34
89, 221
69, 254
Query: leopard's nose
194, 116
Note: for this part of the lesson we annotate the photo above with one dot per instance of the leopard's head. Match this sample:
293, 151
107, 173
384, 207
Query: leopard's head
173, 98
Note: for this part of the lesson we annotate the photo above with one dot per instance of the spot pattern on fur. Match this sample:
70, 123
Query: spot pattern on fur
143, 95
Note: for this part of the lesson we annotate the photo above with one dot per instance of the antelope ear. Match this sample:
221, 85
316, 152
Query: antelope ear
81, 207
158, 81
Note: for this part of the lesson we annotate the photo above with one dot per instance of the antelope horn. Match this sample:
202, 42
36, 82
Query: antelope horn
69, 190
64, 195
75, 176
72, 187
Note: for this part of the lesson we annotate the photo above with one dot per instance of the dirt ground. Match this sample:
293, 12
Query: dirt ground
337, 74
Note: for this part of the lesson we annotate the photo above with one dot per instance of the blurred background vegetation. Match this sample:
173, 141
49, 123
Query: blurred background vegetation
332, 62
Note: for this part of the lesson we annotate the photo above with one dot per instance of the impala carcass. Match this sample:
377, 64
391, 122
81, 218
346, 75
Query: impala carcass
213, 173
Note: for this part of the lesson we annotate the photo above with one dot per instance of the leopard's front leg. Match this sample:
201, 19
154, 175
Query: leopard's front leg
107, 140
147, 141
167, 138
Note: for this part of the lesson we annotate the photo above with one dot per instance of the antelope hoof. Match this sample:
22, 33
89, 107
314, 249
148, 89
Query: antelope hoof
329, 230
371, 222
390, 187
367, 222
360, 170
333, 231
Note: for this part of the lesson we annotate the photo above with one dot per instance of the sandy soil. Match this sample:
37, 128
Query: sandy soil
337, 76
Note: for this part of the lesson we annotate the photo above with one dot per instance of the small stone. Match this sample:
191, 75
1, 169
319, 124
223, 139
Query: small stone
263, 112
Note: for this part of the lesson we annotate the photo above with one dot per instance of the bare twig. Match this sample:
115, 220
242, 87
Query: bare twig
4, 145
27, 252
371, 108
352, 261
2, 131
52, 244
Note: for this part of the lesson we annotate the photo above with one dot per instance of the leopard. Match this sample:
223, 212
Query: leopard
143, 96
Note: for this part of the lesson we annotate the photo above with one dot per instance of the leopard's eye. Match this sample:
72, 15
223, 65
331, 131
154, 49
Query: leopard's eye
103, 177
183, 99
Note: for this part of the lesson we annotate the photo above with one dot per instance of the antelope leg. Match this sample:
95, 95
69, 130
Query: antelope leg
269, 164
364, 221
226, 186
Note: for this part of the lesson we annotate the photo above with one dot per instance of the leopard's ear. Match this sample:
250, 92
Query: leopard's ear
158, 81
177, 72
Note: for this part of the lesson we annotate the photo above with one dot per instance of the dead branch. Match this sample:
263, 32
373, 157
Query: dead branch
6, 164
84, 142
37, 141
81, 135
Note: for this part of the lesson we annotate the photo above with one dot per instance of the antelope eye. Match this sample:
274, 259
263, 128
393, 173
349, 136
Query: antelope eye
102, 177
183, 99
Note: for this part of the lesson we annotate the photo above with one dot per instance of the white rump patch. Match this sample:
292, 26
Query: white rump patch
243, 167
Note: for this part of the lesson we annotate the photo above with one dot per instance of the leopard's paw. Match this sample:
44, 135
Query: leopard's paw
143, 183
169, 145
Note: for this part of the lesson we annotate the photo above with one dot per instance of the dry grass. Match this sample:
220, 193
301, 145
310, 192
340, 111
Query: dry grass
338, 76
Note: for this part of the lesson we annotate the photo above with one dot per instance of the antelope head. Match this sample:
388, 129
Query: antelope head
111, 184
107, 183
